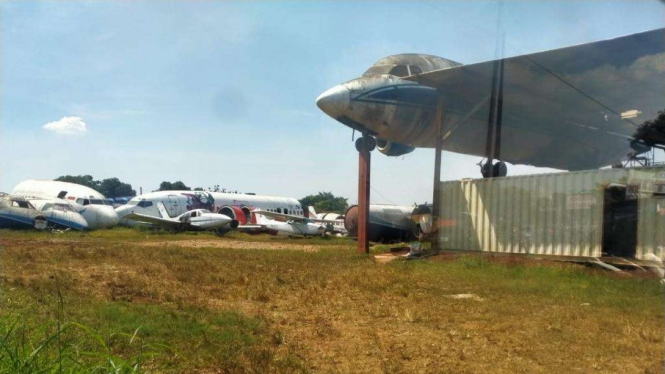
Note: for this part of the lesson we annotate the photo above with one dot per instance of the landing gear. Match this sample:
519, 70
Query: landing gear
497, 170
365, 143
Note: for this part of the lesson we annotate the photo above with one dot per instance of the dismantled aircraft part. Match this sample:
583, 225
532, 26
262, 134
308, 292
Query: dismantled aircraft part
559, 107
235, 213
422, 221
18, 213
389, 148
387, 223
365, 143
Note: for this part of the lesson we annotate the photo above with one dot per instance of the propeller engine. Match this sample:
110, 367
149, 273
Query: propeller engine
389, 148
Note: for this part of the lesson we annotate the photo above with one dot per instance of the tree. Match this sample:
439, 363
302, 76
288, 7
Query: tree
175, 186
84, 180
325, 202
111, 187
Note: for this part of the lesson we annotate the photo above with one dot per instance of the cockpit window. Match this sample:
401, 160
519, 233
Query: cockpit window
389, 94
63, 208
194, 214
132, 202
415, 69
399, 71
145, 204
96, 202
86, 201
378, 70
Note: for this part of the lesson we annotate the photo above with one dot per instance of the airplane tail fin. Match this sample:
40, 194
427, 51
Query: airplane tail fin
162, 210
312, 212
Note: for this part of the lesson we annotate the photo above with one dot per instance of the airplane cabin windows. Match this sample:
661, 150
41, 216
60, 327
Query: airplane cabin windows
279, 210
286, 211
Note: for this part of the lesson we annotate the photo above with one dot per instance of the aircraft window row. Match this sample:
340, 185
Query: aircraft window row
286, 211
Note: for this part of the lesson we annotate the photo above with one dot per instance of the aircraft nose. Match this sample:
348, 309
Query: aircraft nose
108, 218
123, 211
335, 101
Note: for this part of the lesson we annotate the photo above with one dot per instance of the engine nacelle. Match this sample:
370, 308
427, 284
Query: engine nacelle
389, 148
242, 215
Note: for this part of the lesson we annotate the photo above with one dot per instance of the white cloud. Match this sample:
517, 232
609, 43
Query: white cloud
68, 126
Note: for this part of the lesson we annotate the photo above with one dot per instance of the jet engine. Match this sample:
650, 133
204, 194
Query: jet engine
389, 148
243, 215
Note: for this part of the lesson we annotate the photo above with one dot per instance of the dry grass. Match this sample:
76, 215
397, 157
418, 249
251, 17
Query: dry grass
224, 308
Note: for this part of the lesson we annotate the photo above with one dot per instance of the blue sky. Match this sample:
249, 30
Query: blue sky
223, 92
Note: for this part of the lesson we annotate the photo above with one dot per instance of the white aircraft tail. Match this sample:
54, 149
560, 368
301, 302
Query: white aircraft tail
312, 212
162, 210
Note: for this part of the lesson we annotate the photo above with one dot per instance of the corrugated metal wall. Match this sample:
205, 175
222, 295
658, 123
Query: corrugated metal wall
650, 186
548, 214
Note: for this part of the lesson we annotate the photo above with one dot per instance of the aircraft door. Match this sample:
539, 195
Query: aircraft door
174, 206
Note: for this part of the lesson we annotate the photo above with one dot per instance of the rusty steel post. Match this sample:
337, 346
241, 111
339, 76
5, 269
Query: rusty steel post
436, 200
364, 164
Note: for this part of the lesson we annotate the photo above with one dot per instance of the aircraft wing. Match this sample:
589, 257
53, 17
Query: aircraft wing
165, 223
572, 108
283, 217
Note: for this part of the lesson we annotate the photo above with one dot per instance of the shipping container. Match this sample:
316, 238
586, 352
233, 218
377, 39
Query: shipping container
585, 214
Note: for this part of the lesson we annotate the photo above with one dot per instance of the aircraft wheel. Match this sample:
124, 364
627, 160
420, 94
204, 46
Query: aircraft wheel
221, 232
365, 143
500, 169
485, 170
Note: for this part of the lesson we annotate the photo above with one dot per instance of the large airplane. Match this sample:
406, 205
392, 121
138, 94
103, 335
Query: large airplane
194, 220
575, 108
17, 213
93, 206
238, 207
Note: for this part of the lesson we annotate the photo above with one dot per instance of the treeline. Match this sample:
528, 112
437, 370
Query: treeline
111, 187
325, 202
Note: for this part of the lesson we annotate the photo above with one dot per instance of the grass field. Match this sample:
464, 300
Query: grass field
127, 300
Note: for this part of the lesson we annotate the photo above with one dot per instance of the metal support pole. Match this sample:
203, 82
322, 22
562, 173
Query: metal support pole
436, 200
364, 163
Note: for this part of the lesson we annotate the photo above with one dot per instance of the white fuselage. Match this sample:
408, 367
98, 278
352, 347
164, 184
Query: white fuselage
179, 202
93, 206
291, 227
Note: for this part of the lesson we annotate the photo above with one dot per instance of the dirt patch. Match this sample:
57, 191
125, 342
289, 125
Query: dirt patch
233, 244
